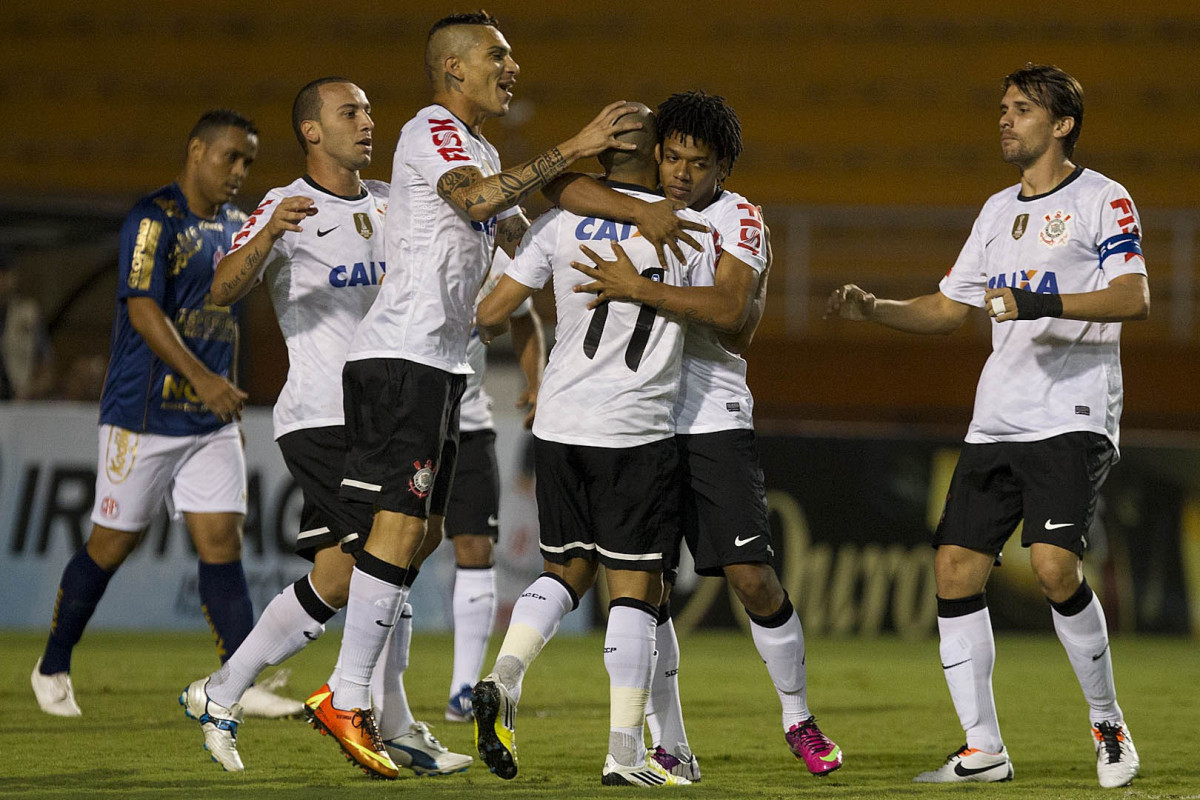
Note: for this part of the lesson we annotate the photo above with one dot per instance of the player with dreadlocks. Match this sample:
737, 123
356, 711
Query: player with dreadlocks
724, 499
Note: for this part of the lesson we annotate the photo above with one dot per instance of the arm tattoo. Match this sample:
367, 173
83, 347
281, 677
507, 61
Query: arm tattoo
467, 189
254, 258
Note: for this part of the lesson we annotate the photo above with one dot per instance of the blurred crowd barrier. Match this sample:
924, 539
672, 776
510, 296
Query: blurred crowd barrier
852, 508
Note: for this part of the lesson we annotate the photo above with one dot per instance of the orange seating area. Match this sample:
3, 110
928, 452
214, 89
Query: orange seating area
870, 135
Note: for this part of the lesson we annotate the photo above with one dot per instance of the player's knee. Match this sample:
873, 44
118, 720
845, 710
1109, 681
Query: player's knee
472, 551
756, 586
109, 548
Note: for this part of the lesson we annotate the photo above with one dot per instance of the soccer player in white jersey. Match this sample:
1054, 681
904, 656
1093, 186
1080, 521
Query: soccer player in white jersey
473, 512
1056, 261
319, 243
406, 366
167, 412
605, 461
724, 505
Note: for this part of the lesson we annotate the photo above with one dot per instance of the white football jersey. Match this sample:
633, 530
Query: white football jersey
1049, 376
322, 281
475, 411
713, 395
613, 373
439, 257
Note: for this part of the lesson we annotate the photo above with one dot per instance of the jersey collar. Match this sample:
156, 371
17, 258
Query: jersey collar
321, 188
1067, 181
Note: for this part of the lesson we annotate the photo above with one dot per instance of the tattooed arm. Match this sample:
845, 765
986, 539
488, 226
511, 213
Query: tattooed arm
723, 306
483, 198
237, 272
509, 232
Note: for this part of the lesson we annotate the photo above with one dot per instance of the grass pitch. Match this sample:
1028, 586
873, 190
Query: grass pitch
884, 701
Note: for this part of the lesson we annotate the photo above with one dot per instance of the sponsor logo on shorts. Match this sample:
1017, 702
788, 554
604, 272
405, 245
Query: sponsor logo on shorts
739, 541
110, 508
1053, 526
121, 454
421, 483
493, 521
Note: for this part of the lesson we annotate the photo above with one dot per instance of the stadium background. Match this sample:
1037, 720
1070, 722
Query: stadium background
871, 141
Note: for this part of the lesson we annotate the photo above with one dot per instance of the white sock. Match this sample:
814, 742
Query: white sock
782, 650
628, 657
474, 616
968, 654
371, 614
392, 714
283, 630
535, 619
664, 713
1085, 637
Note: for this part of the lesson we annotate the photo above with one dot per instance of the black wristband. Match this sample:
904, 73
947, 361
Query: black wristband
1034, 305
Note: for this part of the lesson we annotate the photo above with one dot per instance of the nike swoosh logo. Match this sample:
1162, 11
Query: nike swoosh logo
1051, 526
964, 772
331, 230
493, 521
383, 624
309, 636
479, 597
1100, 655
956, 664
834, 755
739, 541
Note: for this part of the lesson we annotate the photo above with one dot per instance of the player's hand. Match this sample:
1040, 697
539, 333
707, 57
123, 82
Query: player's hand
601, 133
220, 396
489, 335
611, 280
1000, 304
663, 228
288, 215
850, 302
528, 401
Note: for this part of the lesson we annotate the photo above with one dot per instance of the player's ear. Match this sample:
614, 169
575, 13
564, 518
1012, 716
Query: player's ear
722, 170
658, 153
195, 149
453, 66
311, 131
1063, 127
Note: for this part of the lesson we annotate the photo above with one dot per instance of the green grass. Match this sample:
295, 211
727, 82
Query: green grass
883, 700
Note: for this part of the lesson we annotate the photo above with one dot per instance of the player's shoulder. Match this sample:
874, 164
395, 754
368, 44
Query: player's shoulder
1093, 182
380, 190
163, 204
233, 214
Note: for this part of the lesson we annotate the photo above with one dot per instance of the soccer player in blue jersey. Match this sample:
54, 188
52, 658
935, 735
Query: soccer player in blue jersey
168, 410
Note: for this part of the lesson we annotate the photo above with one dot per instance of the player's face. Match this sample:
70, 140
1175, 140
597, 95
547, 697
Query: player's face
346, 126
690, 171
489, 72
1026, 129
221, 165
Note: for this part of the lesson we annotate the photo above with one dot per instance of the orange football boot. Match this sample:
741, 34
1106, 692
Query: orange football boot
355, 732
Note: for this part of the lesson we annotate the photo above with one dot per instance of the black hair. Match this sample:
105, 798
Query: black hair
479, 17
705, 118
307, 105
211, 122
1054, 90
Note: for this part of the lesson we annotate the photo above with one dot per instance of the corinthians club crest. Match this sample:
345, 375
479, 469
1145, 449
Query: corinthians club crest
1055, 231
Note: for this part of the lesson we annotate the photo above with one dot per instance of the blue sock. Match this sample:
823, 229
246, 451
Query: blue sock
225, 600
79, 592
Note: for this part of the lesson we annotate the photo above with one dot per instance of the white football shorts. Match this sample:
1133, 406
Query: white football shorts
205, 473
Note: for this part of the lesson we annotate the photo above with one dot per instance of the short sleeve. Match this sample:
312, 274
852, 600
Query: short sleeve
742, 234
1119, 234
142, 264
258, 220
437, 144
533, 264
966, 281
